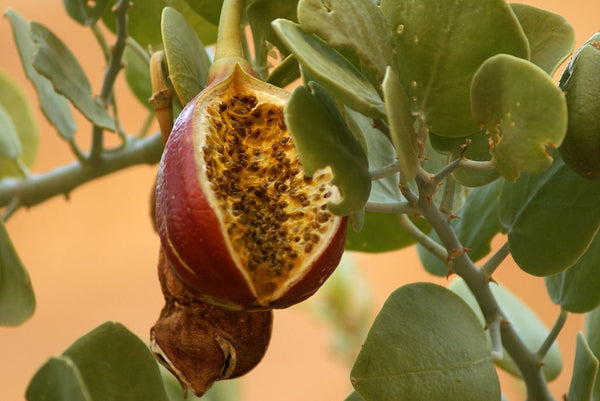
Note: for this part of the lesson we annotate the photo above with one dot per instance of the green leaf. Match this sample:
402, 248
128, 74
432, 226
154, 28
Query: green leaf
260, 15
144, 20
526, 323
85, 12
113, 364
57, 380
354, 396
576, 289
381, 233
17, 300
323, 139
477, 223
285, 72
551, 218
137, 75
10, 145
355, 25
592, 333
551, 37
401, 126
478, 149
581, 83
186, 57
331, 70
585, 369
426, 343
438, 54
208, 9
55, 61
524, 113
54, 106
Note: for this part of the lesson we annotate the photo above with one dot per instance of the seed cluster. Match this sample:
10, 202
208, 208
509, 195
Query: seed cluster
274, 213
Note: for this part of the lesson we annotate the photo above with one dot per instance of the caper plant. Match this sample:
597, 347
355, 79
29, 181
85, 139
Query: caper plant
319, 126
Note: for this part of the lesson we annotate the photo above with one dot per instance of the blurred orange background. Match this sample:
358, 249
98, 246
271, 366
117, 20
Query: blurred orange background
92, 256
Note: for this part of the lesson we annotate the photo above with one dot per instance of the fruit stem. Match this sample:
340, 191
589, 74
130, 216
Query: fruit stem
229, 48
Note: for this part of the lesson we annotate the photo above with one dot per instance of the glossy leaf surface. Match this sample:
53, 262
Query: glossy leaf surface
585, 369
426, 343
438, 56
551, 37
112, 364
54, 106
524, 112
55, 61
576, 289
331, 70
355, 25
527, 324
17, 301
551, 218
323, 139
186, 56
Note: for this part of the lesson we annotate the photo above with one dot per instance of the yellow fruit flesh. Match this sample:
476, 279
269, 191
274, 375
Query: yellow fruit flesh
274, 215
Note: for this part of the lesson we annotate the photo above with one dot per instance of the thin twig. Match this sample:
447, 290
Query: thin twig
138, 49
477, 165
422, 238
497, 258
385, 171
390, 207
494, 329
447, 203
115, 65
558, 325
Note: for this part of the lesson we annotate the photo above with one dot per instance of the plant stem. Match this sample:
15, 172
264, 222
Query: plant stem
385, 171
497, 258
390, 207
558, 325
478, 282
38, 188
110, 75
422, 238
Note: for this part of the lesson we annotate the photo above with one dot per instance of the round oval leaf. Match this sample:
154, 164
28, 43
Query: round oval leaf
425, 344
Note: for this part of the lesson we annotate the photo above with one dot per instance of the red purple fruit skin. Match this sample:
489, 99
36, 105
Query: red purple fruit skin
190, 232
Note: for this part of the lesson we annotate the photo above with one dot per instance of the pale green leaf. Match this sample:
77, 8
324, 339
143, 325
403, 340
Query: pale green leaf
285, 72
355, 25
55, 61
551, 37
401, 123
85, 12
186, 56
137, 75
260, 15
354, 396
330, 69
440, 45
425, 344
57, 380
323, 139
54, 106
585, 369
10, 145
592, 334
524, 113
144, 19
17, 300
581, 82
551, 218
576, 289
112, 362
523, 319
15, 104
208, 9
